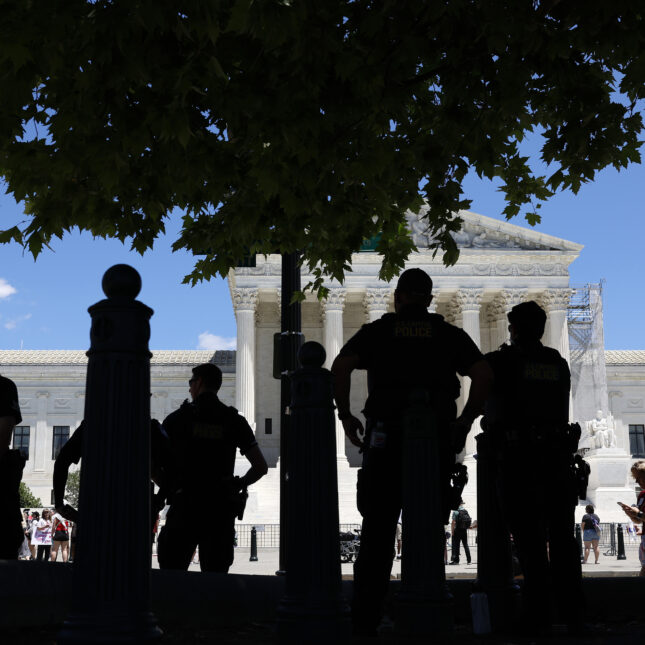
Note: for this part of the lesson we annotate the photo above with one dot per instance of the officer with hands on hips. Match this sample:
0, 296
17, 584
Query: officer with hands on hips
409, 350
527, 420
203, 493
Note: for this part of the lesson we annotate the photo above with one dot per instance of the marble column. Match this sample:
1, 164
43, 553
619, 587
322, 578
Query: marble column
468, 303
502, 304
41, 443
556, 302
376, 302
245, 302
493, 314
332, 312
433, 305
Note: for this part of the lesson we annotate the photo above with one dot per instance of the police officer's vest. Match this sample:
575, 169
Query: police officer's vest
412, 353
531, 389
205, 446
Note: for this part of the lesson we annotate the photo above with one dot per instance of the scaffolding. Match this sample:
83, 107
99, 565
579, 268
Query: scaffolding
587, 351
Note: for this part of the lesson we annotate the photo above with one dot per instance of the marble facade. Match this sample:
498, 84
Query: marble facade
501, 264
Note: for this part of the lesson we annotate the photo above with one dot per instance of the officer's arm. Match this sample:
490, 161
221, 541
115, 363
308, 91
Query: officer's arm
258, 467
6, 427
481, 376
342, 369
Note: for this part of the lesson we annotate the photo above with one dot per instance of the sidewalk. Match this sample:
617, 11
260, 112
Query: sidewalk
267, 564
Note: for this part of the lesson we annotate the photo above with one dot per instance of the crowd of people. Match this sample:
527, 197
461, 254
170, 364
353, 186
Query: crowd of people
522, 390
47, 535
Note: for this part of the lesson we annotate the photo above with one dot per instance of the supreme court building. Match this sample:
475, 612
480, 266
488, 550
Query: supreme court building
500, 265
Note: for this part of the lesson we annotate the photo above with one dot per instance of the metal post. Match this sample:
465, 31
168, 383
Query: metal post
254, 545
612, 540
579, 541
290, 342
111, 592
313, 609
424, 606
621, 544
494, 557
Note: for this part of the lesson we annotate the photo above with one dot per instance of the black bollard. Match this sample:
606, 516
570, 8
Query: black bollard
111, 590
621, 544
254, 545
313, 609
579, 541
424, 606
494, 556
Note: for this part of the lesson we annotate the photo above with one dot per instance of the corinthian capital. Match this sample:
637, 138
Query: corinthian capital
335, 300
556, 299
467, 299
508, 298
377, 298
245, 299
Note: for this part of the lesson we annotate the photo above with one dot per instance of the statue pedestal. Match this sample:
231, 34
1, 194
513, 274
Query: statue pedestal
610, 482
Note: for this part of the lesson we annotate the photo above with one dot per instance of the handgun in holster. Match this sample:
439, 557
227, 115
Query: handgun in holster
239, 496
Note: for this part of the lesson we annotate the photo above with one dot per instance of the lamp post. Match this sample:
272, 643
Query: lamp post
290, 342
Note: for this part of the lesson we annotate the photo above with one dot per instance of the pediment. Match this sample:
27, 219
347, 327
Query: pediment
480, 233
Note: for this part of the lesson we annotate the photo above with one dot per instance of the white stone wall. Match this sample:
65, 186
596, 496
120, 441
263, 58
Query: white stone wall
626, 389
54, 395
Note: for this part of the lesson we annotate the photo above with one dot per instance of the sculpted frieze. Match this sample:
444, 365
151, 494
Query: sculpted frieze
471, 235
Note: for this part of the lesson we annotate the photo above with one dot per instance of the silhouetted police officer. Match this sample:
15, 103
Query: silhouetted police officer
72, 452
401, 352
526, 417
204, 437
11, 467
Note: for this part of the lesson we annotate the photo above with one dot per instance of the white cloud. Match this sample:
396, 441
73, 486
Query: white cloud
14, 322
6, 289
213, 342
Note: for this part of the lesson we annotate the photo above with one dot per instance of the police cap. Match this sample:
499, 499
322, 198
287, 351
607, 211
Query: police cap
528, 319
415, 282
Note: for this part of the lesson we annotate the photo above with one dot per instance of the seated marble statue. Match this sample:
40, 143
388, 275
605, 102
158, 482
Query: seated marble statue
601, 431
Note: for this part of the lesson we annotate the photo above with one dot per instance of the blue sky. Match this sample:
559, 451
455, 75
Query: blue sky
43, 304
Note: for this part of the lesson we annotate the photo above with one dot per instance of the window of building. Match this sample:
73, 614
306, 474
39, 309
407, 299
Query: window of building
268, 426
637, 440
21, 440
61, 435
52, 498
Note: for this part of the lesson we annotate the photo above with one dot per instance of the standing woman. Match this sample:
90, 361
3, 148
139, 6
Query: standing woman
42, 536
24, 553
60, 539
590, 525
33, 520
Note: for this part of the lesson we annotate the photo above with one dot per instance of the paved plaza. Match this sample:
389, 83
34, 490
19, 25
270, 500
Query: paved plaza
267, 564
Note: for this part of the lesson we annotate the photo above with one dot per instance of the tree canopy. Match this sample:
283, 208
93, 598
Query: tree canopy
27, 498
72, 488
287, 125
